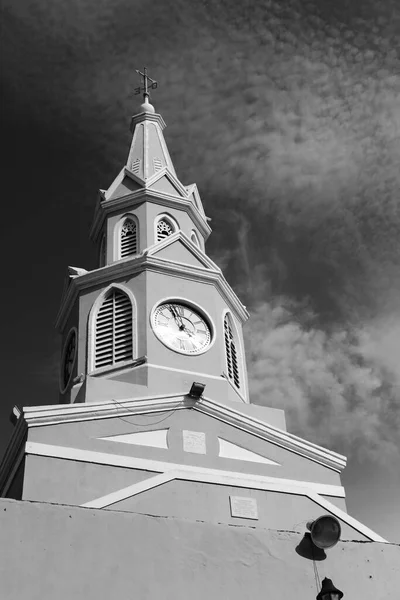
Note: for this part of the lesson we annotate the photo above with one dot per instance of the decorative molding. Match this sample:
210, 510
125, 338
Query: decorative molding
132, 490
133, 199
235, 452
190, 472
146, 116
51, 415
153, 439
172, 471
272, 434
195, 374
132, 265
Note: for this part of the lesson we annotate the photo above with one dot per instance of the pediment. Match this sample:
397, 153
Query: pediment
165, 182
124, 184
179, 253
179, 248
126, 187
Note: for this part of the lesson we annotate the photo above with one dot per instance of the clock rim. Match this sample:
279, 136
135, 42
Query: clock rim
190, 304
71, 332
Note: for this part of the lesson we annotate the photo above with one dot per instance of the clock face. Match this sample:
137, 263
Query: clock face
69, 358
181, 327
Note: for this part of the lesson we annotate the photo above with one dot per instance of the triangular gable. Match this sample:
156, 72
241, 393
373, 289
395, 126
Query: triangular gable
235, 452
165, 182
126, 187
177, 252
124, 184
179, 248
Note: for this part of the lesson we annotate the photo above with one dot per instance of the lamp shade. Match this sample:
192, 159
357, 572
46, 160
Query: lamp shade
329, 591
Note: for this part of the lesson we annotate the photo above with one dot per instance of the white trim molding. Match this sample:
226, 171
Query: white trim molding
171, 471
64, 413
137, 197
191, 472
132, 265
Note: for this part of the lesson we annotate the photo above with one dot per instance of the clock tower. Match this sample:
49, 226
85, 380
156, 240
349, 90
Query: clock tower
154, 414
157, 312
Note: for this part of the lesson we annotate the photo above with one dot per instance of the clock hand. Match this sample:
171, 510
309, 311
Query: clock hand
176, 316
186, 330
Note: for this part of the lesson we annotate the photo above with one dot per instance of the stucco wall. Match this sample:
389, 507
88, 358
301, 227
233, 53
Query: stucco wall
64, 552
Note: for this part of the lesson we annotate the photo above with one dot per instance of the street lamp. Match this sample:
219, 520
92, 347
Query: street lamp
328, 591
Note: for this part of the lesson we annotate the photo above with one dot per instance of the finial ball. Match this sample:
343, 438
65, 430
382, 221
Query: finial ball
147, 107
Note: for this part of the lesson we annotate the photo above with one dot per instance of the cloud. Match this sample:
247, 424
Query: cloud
333, 387
287, 114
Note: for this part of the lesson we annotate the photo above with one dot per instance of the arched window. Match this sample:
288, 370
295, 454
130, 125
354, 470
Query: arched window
128, 238
165, 228
102, 252
195, 239
231, 353
113, 330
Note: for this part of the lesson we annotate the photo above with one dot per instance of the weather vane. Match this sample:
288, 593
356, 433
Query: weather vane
148, 83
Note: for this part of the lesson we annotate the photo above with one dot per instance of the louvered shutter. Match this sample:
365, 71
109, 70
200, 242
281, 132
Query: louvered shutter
164, 229
231, 354
113, 335
128, 238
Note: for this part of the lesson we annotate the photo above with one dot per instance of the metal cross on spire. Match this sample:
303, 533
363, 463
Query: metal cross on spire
148, 83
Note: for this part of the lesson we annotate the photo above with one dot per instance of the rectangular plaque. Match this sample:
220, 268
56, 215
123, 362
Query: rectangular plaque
245, 508
194, 441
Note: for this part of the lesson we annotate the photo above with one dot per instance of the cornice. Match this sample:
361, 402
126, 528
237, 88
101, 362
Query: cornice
103, 208
146, 116
274, 435
51, 415
134, 265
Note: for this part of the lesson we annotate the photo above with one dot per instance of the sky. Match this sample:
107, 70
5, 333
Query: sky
286, 113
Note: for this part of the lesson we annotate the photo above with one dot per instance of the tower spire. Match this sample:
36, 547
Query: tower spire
148, 83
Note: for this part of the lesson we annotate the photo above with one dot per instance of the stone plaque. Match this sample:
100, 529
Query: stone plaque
194, 441
245, 508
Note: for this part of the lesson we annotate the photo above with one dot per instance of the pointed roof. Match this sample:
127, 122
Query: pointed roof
148, 153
